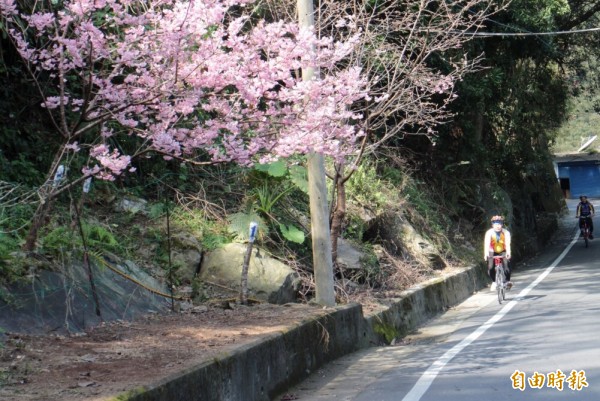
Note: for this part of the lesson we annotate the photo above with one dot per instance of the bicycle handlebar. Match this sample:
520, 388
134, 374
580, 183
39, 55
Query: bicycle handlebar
498, 259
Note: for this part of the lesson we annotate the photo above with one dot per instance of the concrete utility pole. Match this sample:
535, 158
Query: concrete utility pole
317, 190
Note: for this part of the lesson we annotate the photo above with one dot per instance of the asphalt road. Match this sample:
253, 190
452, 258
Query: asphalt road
542, 343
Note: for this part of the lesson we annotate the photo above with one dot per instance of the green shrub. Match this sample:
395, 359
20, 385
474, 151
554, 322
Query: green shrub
365, 187
63, 240
10, 269
211, 233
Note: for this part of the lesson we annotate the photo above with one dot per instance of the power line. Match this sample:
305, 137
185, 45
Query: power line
554, 33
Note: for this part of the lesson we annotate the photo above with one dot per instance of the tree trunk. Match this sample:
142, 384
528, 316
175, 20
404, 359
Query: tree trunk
244, 280
47, 193
39, 220
317, 190
339, 210
320, 233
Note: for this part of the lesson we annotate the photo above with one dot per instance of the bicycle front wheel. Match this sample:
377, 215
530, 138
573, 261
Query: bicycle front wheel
500, 285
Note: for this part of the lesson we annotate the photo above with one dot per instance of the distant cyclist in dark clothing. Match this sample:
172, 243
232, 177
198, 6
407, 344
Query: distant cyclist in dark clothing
585, 209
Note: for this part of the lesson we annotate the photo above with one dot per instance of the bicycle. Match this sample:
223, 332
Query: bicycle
500, 278
585, 229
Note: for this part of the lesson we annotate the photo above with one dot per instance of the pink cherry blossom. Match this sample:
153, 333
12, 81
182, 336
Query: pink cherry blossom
188, 77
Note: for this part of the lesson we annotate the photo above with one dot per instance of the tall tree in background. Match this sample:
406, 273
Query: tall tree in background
581, 57
508, 113
190, 80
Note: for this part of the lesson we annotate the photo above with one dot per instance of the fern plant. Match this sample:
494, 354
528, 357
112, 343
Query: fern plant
239, 224
274, 183
62, 240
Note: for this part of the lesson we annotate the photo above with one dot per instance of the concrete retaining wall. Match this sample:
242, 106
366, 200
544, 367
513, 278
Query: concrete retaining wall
423, 302
262, 370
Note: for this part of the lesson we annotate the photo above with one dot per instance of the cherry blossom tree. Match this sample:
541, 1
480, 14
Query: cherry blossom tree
410, 52
200, 80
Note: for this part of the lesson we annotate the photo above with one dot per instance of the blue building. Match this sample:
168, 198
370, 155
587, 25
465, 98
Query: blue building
578, 174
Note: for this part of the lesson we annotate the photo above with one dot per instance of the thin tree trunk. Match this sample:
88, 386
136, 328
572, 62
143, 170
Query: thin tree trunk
244, 281
38, 221
40, 218
47, 194
86, 263
339, 211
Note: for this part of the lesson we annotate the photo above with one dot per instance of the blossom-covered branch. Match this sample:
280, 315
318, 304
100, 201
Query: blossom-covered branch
186, 76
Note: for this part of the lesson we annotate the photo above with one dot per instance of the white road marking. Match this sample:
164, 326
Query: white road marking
431, 373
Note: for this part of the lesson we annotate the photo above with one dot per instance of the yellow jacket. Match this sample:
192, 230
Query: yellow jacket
496, 242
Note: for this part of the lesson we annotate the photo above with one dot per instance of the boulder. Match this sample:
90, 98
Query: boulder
186, 254
348, 256
400, 238
269, 280
131, 204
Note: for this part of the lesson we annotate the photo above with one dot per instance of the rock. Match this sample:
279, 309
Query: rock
399, 237
200, 309
268, 279
186, 253
348, 256
131, 204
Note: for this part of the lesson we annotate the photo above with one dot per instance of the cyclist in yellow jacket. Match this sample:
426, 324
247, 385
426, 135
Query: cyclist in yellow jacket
497, 243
